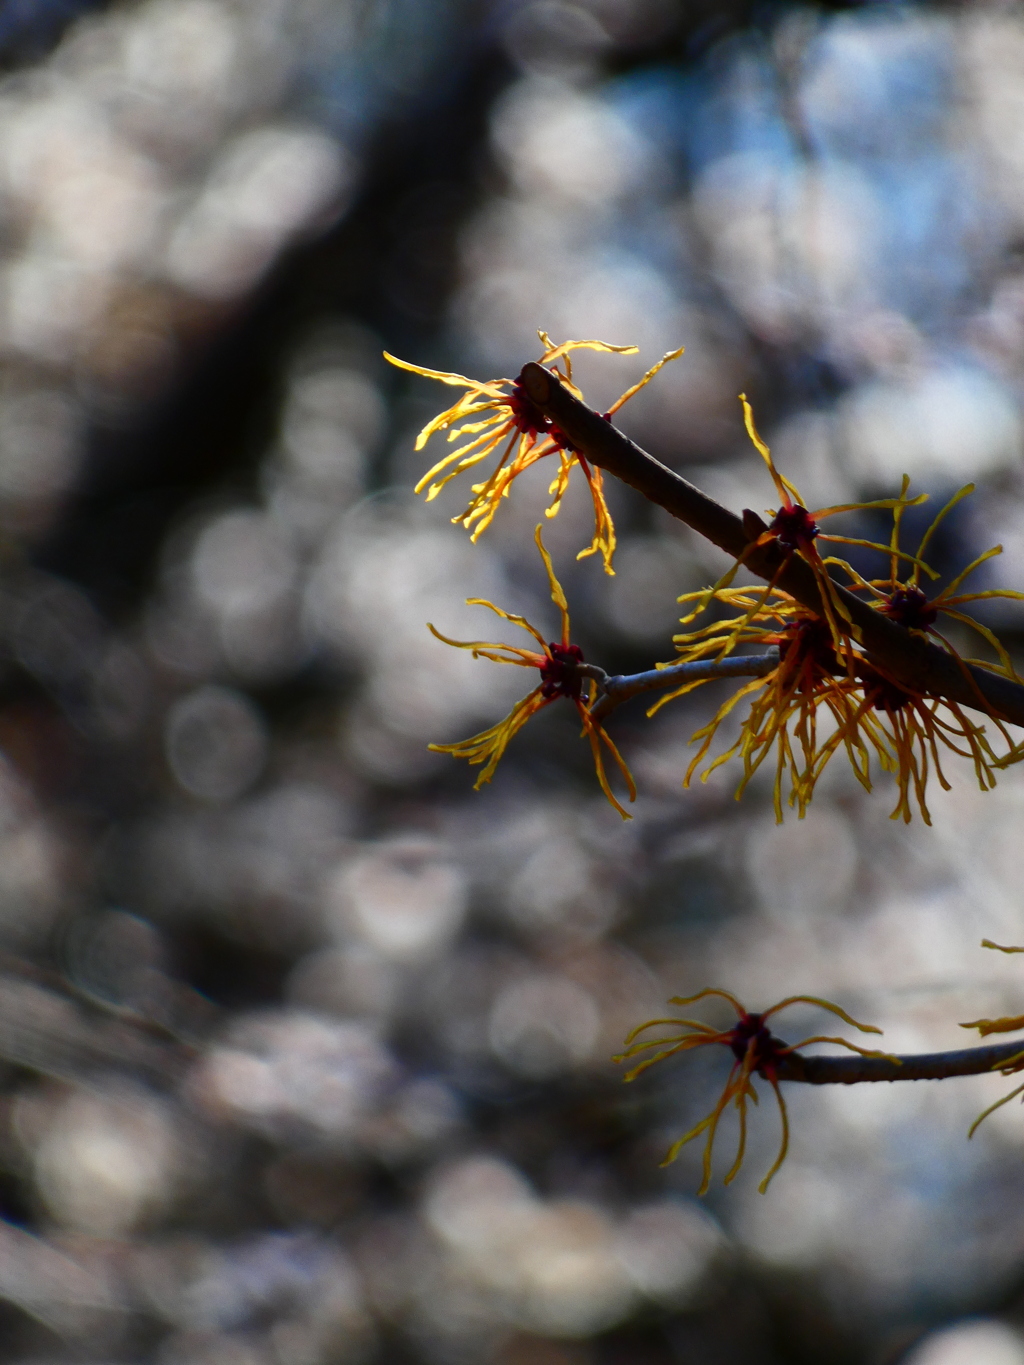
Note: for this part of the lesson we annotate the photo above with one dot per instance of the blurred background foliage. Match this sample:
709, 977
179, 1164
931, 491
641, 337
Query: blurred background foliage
305, 1046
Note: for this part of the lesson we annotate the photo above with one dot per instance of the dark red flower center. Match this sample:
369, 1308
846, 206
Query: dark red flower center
559, 673
794, 527
767, 1050
911, 608
526, 415
559, 437
883, 694
807, 645
528, 418
808, 640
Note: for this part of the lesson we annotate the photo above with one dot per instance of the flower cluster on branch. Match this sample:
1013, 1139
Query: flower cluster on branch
756, 1052
819, 701
847, 665
827, 694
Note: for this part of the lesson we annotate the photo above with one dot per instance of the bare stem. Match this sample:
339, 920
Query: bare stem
615, 690
921, 1066
911, 660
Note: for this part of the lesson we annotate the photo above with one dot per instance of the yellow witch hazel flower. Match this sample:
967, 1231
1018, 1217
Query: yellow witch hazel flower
866, 713
783, 716
903, 600
756, 1052
1011, 1024
907, 729
795, 530
497, 415
915, 724
559, 664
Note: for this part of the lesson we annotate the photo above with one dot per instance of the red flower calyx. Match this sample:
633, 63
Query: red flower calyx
794, 527
559, 672
911, 608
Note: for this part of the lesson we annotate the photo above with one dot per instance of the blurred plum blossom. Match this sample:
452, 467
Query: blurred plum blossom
984, 1340
105, 1164
305, 1288
152, 169
278, 1072
562, 1267
405, 899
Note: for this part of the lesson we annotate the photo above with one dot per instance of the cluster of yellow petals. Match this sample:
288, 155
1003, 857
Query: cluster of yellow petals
818, 702
785, 703
824, 696
903, 600
558, 663
795, 529
496, 416
865, 713
756, 1052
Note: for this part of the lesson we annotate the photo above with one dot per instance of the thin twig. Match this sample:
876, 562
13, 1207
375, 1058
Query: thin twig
921, 1066
911, 660
619, 688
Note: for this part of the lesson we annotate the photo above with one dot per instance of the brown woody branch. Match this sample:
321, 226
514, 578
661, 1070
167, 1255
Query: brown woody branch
913, 661
922, 1066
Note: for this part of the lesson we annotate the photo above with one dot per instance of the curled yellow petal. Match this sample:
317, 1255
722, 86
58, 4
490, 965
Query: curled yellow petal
987, 1026
504, 423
